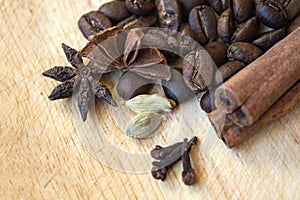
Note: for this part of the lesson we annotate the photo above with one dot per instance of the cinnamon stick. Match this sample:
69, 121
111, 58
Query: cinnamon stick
255, 88
234, 135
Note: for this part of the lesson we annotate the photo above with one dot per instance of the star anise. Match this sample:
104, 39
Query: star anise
113, 49
82, 80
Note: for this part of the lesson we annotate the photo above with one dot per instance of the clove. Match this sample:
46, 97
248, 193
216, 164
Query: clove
188, 173
167, 157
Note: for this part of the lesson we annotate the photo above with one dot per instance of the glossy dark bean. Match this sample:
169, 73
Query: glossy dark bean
207, 103
244, 52
188, 5
169, 14
218, 5
226, 71
198, 70
267, 40
292, 8
294, 24
242, 9
271, 13
115, 11
130, 85
217, 51
226, 26
247, 31
203, 22
93, 22
140, 7
138, 22
176, 89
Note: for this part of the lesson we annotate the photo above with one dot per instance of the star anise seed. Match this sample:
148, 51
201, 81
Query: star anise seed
82, 80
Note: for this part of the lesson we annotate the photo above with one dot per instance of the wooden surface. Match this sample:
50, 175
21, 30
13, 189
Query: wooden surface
44, 157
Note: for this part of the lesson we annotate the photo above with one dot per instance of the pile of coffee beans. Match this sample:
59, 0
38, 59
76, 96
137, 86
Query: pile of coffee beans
229, 31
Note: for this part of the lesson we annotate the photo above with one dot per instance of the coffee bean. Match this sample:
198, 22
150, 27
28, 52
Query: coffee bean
217, 51
140, 7
247, 31
115, 11
242, 9
203, 22
176, 89
294, 25
226, 71
138, 22
169, 14
130, 85
198, 70
226, 26
292, 8
271, 13
93, 22
244, 52
207, 102
218, 5
187, 6
267, 40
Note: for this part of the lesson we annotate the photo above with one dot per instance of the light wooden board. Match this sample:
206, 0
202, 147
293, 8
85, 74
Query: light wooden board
43, 157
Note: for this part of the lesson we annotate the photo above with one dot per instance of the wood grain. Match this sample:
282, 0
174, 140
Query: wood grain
43, 157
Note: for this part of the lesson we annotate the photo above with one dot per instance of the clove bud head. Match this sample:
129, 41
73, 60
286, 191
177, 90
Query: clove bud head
159, 174
189, 177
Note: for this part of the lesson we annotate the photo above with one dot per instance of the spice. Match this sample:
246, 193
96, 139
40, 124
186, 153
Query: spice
83, 77
153, 102
143, 125
168, 156
188, 174
104, 49
234, 135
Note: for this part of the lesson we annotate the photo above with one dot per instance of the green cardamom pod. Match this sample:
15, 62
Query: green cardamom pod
153, 102
143, 124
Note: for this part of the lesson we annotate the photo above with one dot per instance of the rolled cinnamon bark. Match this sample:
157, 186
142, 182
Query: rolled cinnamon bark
233, 135
254, 86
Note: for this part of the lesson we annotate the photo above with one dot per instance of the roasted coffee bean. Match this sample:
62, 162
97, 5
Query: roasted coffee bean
93, 22
217, 51
169, 14
226, 26
267, 40
115, 11
167, 44
188, 5
242, 9
243, 52
130, 85
140, 7
294, 25
271, 13
176, 89
138, 22
247, 31
186, 40
203, 22
218, 5
207, 102
198, 70
292, 8
226, 71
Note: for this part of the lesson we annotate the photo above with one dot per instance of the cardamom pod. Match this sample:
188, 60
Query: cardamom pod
143, 124
153, 102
